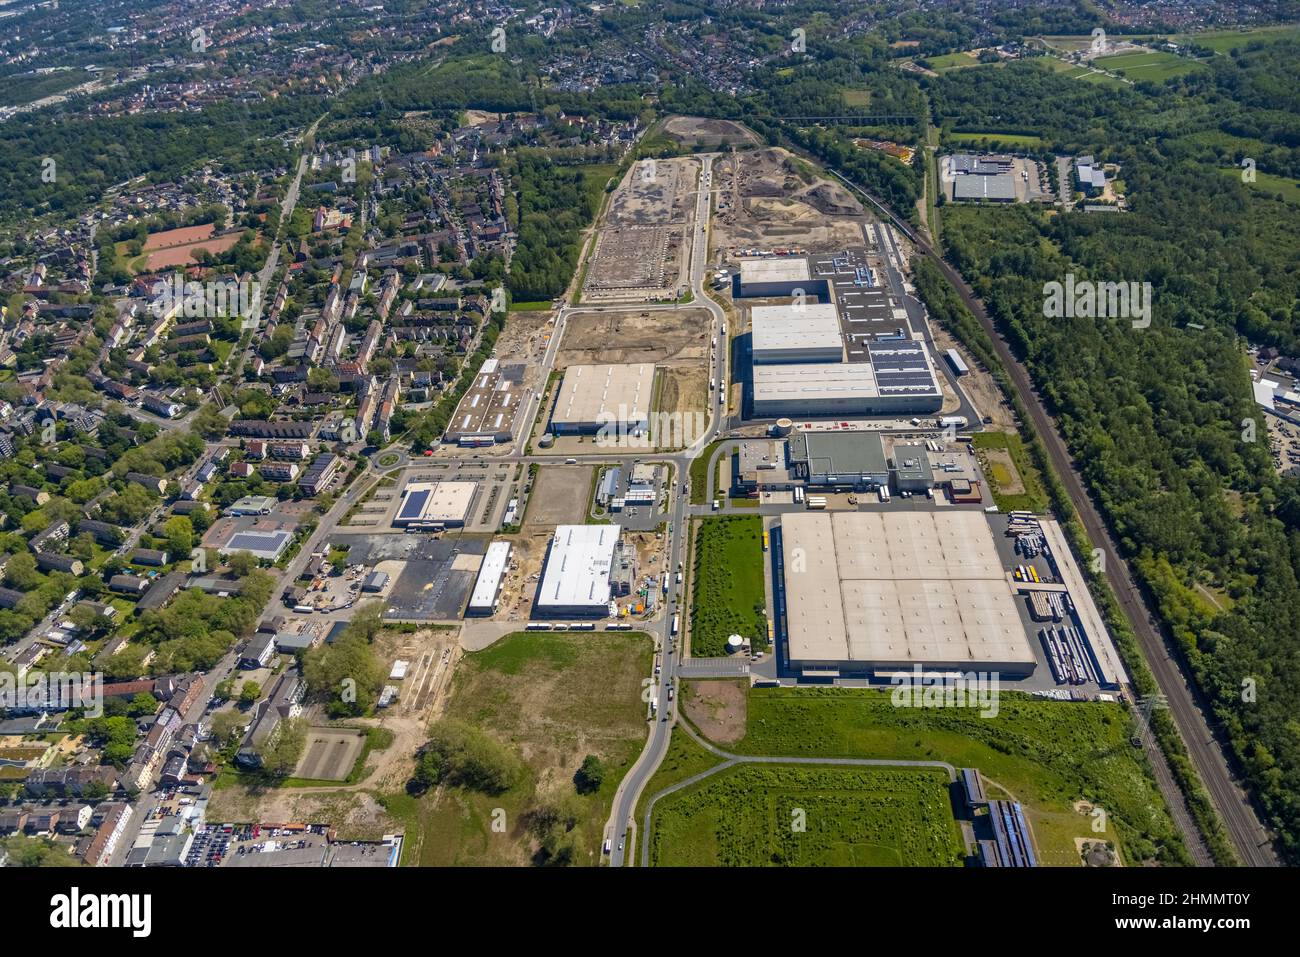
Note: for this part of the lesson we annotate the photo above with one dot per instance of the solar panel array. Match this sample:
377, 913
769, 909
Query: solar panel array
413, 507
900, 367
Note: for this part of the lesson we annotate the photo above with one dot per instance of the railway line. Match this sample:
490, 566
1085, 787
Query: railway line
1209, 753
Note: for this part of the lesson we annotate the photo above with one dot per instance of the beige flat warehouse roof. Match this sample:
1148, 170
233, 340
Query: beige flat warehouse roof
884, 590
784, 269
435, 502
605, 394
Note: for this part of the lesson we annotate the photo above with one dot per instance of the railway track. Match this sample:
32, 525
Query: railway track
1209, 753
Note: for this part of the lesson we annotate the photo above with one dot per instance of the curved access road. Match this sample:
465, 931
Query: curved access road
1209, 753
730, 760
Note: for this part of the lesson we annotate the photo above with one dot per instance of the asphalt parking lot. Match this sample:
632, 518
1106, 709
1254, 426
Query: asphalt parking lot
436, 580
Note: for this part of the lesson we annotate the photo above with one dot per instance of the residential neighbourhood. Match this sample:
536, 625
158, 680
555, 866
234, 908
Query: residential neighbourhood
491, 434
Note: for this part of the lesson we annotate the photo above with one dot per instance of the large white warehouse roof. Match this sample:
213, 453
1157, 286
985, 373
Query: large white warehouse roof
578, 567
811, 329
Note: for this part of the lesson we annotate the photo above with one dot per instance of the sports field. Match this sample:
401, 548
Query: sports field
797, 816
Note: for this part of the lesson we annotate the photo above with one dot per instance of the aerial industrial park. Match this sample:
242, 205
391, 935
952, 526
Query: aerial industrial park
633, 441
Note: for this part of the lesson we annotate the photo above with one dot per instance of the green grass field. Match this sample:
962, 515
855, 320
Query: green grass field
683, 759
1153, 65
700, 474
727, 583
1225, 41
951, 61
1288, 189
1045, 754
784, 815
997, 140
554, 698
1034, 496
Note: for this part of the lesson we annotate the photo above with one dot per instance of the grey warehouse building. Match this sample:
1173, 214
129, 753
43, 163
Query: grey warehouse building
999, 188
777, 278
839, 459
912, 471
896, 378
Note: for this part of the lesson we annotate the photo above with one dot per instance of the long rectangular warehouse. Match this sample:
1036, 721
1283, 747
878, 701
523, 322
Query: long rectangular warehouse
575, 581
487, 588
800, 332
596, 396
886, 591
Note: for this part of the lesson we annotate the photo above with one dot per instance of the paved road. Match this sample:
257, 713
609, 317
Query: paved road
620, 826
1208, 752
730, 760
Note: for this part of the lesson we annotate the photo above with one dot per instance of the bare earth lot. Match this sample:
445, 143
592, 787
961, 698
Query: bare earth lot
560, 496
700, 131
769, 198
659, 336
717, 708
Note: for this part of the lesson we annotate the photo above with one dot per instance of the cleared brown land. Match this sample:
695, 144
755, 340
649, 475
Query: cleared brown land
560, 495
177, 237
330, 753
700, 131
183, 255
658, 336
717, 708
769, 198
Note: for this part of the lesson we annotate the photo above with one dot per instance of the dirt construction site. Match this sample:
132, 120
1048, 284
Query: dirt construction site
655, 192
677, 341
769, 199
700, 131
637, 263
641, 250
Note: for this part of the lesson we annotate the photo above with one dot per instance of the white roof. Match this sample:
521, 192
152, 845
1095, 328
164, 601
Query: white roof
489, 575
1264, 392
436, 501
806, 326
577, 570
605, 394
813, 381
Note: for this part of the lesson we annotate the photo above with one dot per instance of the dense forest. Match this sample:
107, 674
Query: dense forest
555, 205
1161, 419
91, 155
